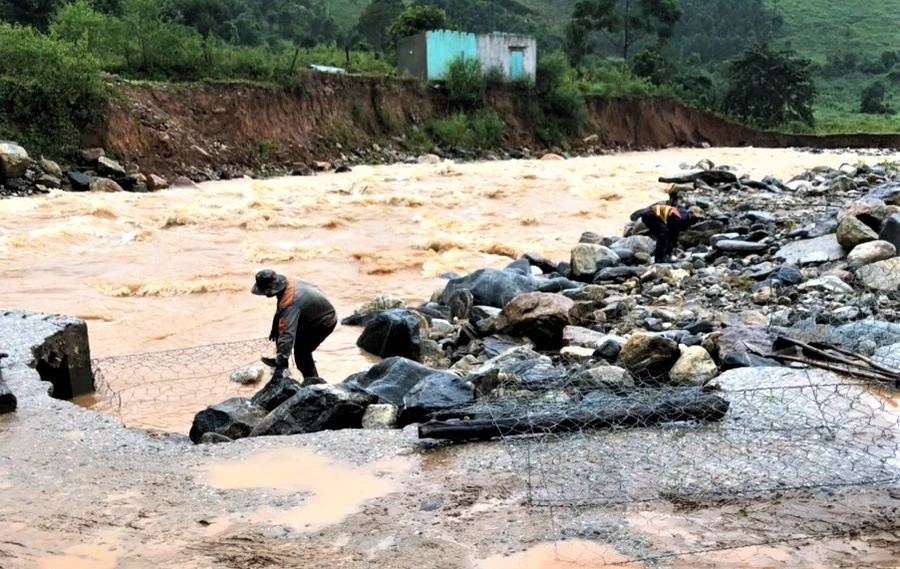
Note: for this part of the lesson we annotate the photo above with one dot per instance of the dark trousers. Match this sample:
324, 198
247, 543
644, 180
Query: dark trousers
308, 339
666, 235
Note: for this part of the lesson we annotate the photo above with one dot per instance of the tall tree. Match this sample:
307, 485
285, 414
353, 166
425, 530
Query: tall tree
28, 12
376, 18
626, 23
770, 88
416, 19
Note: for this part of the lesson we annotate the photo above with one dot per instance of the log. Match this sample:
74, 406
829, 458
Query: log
698, 407
710, 177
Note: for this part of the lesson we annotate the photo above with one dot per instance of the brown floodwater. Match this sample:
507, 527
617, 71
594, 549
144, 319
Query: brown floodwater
173, 270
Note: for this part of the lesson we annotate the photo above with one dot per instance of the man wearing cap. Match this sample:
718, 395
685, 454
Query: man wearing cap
303, 319
665, 223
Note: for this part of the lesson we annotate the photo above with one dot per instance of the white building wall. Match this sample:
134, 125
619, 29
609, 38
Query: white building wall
494, 51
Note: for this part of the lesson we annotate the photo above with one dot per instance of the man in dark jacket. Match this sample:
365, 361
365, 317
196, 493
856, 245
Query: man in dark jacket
303, 319
665, 223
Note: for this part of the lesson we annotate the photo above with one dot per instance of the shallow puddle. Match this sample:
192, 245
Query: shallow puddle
85, 556
336, 490
560, 555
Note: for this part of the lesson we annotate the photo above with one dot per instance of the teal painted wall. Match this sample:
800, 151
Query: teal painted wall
443, 45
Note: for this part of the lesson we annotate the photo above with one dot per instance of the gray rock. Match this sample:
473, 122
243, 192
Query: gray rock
51, 168
601, 377
811, 251
582, 337
109, 167
617, 274
852, 232
317, 408
862, 335
870, 252
234, 418
529, 369
788, 274
380, 416
13, 161
492, 287
738, 246
701, 233
588, 258
694, 367
883, 275
888, 356
63, 359
393, 378
828, 283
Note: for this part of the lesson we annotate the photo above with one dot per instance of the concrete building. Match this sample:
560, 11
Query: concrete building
428, 54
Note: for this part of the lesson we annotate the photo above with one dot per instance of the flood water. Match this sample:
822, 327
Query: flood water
173, 270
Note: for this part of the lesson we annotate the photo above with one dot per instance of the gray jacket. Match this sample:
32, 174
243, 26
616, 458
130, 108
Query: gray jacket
300, 305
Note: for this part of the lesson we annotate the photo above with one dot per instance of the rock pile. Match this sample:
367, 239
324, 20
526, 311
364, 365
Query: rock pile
21, 175
814, 256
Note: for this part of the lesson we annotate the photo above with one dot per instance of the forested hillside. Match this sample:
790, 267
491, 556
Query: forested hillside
822, 65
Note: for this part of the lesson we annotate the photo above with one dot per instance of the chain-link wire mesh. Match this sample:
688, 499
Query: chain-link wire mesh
164, 389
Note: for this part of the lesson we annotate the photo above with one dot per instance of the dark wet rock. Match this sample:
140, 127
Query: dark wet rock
79, 182
461, 303
435, 393
700, 327
701, 233
889, 193
275, 392
890, 232
491, 287
734, 360
710, 177
317, 408
740, 247
812, 251
788, 274
495, 345
540, 317
63, 359
617, 274
545, 265
392, 333
234, 418
392, 379
648, 356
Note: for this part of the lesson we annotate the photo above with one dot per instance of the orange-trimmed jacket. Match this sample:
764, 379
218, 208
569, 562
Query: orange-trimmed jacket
301, 305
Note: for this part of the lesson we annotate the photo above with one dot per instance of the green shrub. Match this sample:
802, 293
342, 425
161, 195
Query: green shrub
465, 83
483, 129
561, 101
49, 91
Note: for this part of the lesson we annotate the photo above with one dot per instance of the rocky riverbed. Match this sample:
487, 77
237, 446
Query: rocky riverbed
811, 258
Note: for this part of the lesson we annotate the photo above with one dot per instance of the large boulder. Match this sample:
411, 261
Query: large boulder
393, 378
810, 251
234, 418
525, 368
851, 231
435, 393
588, 258
13, 161
694, 367
883, 275
540, 317
317, 408
392, 333
649, 357
491, 287
277, 391
871, 252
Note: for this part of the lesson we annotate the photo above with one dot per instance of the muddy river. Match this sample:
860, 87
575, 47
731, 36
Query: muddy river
173, 270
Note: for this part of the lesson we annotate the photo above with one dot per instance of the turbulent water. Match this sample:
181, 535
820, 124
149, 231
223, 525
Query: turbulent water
173, 270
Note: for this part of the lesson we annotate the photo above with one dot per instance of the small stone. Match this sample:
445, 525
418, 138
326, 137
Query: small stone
870, 252
380, 416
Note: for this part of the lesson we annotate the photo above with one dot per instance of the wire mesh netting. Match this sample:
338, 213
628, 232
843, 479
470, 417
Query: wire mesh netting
165, 389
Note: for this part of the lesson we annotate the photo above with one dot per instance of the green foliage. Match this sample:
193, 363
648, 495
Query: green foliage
719, 30
483, 129
625, 23
374, 22
769, 88
486, 16
28, 12
614, 79
49, 91
872, 100
561, 101
465, 83
416, 19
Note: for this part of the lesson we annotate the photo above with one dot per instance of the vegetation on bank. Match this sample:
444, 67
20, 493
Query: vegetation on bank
772, 71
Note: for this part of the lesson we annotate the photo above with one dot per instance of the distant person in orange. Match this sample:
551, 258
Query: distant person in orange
303, 319
665, 222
